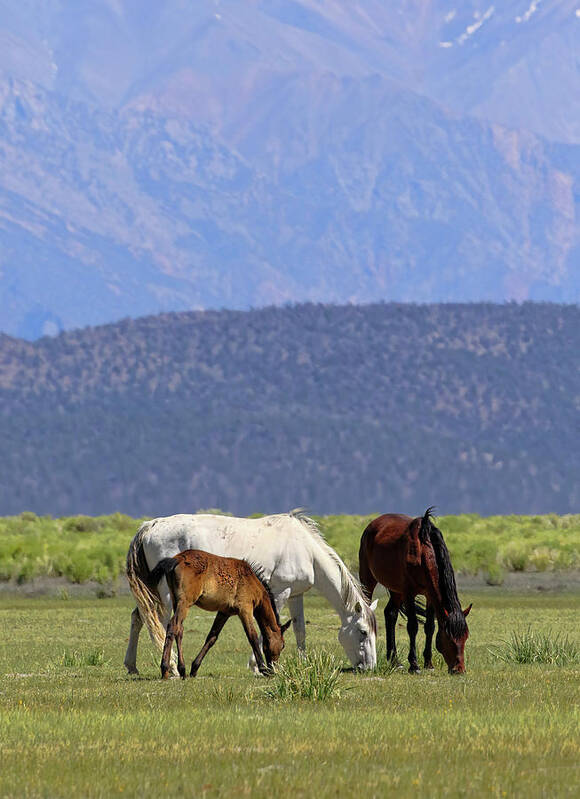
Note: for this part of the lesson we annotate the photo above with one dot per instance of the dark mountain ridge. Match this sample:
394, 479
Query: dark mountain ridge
470, 407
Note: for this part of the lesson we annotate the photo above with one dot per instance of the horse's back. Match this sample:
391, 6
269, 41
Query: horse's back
384, 549
386, 530
277, 543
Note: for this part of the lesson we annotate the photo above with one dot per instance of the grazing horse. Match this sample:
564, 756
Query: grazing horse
287, 547
409, 557
226, 585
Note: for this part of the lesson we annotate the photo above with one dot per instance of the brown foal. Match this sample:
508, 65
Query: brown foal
227, 585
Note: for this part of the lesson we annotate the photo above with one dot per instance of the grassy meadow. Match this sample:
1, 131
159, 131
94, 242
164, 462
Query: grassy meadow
73, 724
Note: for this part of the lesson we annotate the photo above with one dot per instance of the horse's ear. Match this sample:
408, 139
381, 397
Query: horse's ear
285, 626
374, 604
358, 607
466, 611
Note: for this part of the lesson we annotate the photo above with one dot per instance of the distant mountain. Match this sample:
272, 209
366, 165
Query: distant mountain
388, 407
514, 64
170, 156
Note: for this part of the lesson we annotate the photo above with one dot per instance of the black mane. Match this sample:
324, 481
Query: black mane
259, 572
455, 620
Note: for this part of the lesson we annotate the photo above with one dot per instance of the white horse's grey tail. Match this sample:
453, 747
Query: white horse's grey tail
148, 600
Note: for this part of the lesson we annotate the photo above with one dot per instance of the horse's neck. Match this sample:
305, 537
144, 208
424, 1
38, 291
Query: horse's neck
265, 616
328, 580
436, 597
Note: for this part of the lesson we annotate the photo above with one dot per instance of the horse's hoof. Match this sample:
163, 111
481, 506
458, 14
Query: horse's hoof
414, 670
133, 672
429, 667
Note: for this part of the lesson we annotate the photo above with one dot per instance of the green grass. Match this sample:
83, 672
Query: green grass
538, 647
313, 676
502, 729
82, 548
92, 657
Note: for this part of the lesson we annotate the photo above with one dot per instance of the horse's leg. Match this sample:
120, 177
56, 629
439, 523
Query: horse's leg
296, 608
165, 613
412, 627
166, 656
391, 615
247, 620
212, 637
175, 632
280, 600
182, 609
429, 630
131, 654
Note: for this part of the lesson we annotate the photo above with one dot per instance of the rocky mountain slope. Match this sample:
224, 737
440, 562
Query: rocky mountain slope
175, 156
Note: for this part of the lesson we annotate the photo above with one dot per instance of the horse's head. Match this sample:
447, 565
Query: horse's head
358, 636
273, 642
451, 637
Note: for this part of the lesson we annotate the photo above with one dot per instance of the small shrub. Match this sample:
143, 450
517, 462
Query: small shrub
93, 657
80, 569
105, 592
120, 521
28, 516
515, 555
494, 574
534, 647
82, 524
312, 676
26, 572
541, 558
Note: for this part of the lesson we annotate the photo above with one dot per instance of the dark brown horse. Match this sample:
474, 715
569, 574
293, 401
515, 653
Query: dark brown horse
409, 557
227, 585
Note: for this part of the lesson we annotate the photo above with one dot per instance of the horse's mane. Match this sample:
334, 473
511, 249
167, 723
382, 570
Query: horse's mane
259, 572
455, 621
350, 588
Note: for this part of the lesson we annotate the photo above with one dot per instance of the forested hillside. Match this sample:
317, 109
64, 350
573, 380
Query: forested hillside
340, 408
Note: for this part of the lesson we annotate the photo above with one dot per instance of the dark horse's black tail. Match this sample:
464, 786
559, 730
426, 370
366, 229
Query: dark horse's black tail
455, 618
420, 611
164, 568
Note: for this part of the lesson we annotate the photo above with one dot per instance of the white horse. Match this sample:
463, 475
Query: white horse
288, 547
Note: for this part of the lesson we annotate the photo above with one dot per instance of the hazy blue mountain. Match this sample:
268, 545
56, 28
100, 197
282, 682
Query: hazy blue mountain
167, 156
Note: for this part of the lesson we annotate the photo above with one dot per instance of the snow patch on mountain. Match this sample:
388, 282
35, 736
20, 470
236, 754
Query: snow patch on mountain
471, 29
531, 10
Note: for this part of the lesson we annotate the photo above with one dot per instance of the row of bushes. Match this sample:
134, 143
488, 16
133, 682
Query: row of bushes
490, 545
83, 548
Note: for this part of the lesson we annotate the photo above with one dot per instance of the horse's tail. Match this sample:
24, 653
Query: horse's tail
144, 587
420, 611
